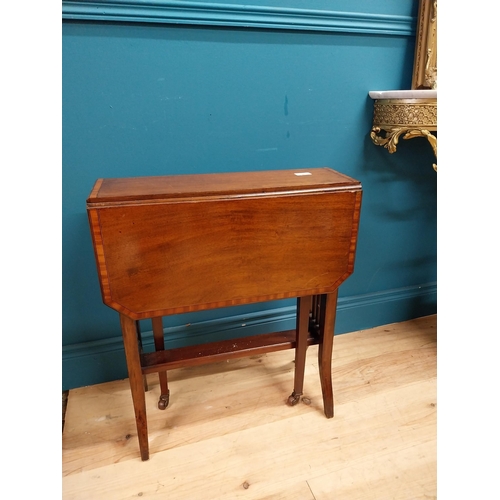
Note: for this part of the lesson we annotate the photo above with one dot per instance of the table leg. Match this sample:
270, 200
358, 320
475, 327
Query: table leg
314, 311
304, 305
129, 332
139, 340
315, 315
160, 346
328, 308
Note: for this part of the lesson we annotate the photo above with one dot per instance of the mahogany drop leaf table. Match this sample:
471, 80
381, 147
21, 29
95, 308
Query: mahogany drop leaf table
175, 244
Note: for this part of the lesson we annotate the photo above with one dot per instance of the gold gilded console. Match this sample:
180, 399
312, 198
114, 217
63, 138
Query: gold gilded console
412, 113
409, 118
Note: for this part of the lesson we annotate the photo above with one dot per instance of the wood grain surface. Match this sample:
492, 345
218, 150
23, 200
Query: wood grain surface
188, 243
229, 434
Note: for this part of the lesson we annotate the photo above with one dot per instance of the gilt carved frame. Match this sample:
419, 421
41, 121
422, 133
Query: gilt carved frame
425, 62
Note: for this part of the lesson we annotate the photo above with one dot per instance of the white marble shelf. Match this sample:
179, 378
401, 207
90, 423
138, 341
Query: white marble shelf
403, 94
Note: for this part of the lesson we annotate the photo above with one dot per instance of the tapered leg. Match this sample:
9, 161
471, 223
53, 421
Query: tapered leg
328, 308
160, 346
139, 340
315, 315
304, 305
314, 309
129, 331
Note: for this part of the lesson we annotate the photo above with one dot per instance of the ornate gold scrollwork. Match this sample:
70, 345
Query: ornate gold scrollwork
391, 139
411, 117
421, 113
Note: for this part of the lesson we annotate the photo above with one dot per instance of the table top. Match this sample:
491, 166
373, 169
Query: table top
231, 184
176, 244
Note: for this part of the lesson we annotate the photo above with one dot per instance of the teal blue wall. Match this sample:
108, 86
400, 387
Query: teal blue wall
197, 88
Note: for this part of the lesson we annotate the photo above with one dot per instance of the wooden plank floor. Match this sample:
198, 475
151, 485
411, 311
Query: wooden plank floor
228, 433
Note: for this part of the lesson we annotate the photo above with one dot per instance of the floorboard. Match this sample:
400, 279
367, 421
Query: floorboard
228, 433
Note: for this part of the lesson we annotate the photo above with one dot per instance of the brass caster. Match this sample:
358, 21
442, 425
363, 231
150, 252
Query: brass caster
163, 401
293, 399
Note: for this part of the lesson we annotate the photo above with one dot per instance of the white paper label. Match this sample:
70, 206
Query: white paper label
302, 173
